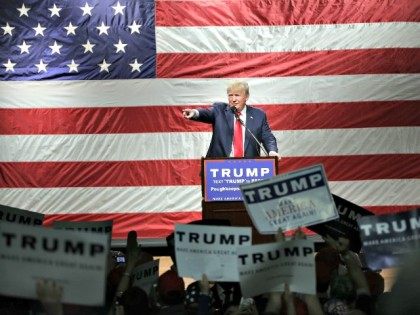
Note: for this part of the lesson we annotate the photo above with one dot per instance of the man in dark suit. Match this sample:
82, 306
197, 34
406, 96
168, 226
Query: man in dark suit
233, 124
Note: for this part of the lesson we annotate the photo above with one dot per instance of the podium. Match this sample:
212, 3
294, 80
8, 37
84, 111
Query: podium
221, 197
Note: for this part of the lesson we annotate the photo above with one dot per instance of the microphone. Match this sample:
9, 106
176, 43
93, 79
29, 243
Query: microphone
236, 113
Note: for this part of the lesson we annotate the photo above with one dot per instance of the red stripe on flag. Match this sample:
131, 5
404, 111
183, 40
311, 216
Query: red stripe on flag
95, 120
147, 225
390, 209
267, 12
186, 172
334, 62
343, 115
100, 174
155, 118
359, 167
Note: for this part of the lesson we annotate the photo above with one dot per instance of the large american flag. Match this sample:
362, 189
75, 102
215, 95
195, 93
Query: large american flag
91, 94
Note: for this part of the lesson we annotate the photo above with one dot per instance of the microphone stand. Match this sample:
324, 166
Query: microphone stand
236, 113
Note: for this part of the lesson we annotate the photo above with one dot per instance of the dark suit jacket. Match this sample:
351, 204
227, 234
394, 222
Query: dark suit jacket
221, 117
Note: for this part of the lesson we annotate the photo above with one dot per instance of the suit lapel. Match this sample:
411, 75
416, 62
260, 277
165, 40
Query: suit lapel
228, 140
249, 125
229, 119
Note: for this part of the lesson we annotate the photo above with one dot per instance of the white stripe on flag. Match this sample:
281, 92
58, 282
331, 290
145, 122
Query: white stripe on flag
392, 192
286, 38
164, 146
278, 90
104, 199
379, 192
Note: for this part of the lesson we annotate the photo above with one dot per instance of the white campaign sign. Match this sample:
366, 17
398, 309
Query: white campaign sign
288, 201
146, 275
210, 250
75, 260
19, 216
267, 267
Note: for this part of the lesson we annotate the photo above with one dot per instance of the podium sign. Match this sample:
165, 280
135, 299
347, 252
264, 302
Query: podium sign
222, 177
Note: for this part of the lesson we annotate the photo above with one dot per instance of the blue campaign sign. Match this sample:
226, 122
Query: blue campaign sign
222, 177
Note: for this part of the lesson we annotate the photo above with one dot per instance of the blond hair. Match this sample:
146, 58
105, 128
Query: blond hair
238, 85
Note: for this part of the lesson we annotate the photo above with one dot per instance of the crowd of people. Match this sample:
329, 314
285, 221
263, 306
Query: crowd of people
343, 287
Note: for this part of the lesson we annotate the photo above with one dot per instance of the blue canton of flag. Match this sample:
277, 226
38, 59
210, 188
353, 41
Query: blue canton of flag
74, 40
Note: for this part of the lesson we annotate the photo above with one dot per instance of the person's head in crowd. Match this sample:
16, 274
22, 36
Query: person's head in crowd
171, 288
135, 301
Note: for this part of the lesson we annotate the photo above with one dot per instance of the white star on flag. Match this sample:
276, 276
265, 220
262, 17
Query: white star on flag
118, 8
120, 46
23, 10
39, 30
24, 47
41, 66
86, 9
71, 29
135, 66
134, 27
9, 66
104, 66
73, 66
55, 48
54, 10
7, 29
88, 47
103, 29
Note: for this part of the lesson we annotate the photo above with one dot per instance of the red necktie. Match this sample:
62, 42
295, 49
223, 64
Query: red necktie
238, 144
